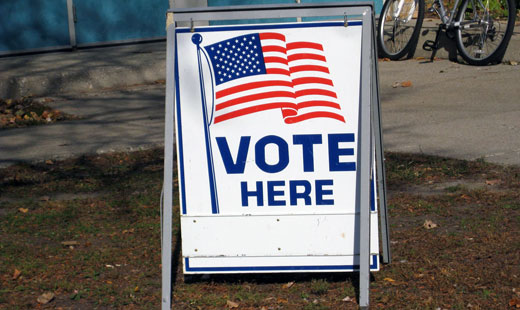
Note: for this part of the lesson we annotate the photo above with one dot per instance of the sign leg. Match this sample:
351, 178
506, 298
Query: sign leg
380, 164
166, 251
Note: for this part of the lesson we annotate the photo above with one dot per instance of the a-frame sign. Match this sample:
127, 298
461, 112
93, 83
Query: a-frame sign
279, 145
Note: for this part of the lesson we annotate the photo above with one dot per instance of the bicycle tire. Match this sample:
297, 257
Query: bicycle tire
398, 30
483, 36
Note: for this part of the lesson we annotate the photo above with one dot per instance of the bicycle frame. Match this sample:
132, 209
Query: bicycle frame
447, 19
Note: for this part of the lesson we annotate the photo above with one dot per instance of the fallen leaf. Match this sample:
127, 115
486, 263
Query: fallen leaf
406, 84
386, 59
515, 302
16, 274
389, 279
288, 285
136, 289
396, 84
513, 63
492, 182
420, 58
49, 162
45, 298
231, 304
429, 224
347, 299
23, 210
282, 300
69, 243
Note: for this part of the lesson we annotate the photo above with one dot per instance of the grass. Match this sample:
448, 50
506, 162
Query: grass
108, 205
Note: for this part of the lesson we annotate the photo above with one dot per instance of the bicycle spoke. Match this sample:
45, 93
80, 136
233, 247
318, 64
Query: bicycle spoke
398, 24
483, 29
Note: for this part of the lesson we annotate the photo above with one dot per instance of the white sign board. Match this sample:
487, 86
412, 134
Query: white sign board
267, 120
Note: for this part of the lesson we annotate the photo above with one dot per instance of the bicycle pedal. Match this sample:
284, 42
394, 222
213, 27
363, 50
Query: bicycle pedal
429, 45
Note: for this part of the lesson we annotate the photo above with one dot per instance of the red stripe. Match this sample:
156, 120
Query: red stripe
314, 91
277, 71
318, 103
250, 110
306, 56
272, 36
276, 59
248, 86
309, 68
306, 116
271, 94
310, 80
294, 45
274, 48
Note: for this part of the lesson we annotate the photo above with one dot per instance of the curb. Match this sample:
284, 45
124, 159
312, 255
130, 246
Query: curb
126, 65
82, 70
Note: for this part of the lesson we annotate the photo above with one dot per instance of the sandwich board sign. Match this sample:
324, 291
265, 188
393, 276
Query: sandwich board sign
276, 164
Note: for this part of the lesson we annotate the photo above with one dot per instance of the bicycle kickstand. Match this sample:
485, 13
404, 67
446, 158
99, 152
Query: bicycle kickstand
433, 46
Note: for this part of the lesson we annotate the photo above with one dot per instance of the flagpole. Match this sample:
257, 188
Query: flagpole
197, 39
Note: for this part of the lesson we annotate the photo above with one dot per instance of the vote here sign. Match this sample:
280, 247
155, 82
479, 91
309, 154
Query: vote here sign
267, 137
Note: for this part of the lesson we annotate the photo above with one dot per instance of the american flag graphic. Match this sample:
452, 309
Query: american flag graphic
262, 71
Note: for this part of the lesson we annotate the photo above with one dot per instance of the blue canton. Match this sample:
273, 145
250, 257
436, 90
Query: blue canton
236, 58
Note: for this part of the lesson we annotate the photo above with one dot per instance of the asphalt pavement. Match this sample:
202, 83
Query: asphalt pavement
450, 109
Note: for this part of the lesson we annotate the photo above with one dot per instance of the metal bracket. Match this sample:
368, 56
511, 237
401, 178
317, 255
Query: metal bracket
345, 19
192, 28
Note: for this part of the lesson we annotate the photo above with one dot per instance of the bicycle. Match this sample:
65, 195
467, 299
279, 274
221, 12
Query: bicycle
481, 28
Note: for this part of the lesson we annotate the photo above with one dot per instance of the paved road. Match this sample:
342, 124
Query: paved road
127, 119
450, 110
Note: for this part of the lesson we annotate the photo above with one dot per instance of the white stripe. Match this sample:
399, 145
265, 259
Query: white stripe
253, 92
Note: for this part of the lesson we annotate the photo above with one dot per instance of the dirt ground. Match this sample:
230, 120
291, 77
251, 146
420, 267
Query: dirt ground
84, 233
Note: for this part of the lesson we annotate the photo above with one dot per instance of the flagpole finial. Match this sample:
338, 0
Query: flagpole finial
196, 39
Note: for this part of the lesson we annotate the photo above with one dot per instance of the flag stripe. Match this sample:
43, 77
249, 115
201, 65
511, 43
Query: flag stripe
254, 109
305, 56
295, 45
318, 103
274, 48
311, 80
272, 36
277, 71
308, 68
248, 86
306, 116
254, 97
275, 59
315, 91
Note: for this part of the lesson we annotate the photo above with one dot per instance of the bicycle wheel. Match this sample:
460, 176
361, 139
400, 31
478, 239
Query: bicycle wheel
398, 30
485, 29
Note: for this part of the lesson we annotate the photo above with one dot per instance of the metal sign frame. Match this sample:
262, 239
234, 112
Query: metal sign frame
369, 131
